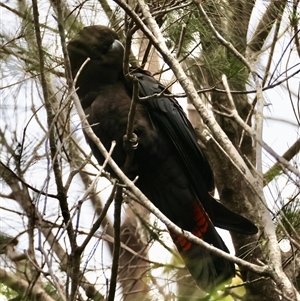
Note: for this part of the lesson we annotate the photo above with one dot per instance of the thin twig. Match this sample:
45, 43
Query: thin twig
181, 39
98, 222
221, 39
26, 184
53, 277
117, 244
79, 70
130, 140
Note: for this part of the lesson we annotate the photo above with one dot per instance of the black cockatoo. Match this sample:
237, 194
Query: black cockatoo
171, 168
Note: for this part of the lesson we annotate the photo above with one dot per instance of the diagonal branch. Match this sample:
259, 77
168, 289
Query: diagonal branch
274, 10
276, 169
14, 175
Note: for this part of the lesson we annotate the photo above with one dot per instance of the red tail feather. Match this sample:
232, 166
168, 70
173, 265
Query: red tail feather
201, 226
207, 269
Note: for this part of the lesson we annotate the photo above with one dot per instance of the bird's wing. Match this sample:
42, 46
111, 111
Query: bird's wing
170, 116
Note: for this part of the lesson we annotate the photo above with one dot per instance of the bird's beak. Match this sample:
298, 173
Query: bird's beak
116, 48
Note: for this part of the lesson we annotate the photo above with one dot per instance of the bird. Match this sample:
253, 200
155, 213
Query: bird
168, 163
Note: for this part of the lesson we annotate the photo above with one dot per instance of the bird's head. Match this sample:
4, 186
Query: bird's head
100, 44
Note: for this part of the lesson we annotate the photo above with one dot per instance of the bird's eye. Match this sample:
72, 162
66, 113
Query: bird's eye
106, 48
96, 49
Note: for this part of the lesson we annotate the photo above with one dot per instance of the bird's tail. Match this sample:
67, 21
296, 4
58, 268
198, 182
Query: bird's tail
207, 269
226, 219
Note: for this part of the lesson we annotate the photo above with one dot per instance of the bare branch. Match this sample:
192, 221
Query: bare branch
117, 244
13, 174
98, 222
277, 167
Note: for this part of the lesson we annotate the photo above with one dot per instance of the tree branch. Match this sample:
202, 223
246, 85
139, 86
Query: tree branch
117, 244
277, 167
22, 287
274, 10
14, 175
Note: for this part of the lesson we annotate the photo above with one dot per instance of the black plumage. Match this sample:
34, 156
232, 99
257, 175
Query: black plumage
171, 168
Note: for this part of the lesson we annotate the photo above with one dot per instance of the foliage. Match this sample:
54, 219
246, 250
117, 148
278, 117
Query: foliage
7, 292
